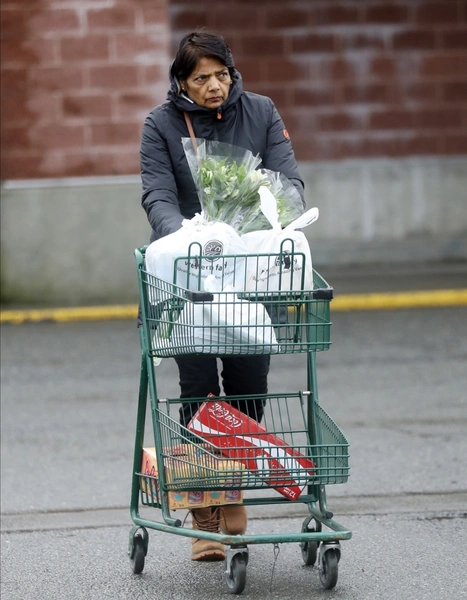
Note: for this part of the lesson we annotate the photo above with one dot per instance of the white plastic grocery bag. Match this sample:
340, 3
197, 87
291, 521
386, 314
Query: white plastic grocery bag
227, 324
288, 266
199, 237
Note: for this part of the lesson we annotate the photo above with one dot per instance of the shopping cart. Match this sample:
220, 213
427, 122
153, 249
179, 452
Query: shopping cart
298, 449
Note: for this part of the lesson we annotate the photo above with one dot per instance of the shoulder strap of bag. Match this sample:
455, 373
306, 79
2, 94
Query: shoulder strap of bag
191, 131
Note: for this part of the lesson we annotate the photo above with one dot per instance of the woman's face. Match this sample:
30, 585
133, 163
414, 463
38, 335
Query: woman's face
209, 83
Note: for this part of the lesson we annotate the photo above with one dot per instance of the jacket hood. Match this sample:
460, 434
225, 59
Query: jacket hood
183, 103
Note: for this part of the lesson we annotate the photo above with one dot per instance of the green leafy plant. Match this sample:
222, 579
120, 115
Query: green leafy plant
228, 181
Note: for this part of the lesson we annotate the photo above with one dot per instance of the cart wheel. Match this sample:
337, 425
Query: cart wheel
310, 549
139, 554
236, 577
329, 569
309, 553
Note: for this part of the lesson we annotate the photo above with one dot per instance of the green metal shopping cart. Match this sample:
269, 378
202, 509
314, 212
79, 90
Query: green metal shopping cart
215, 464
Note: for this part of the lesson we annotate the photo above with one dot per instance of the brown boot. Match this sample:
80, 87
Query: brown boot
206, 519
233, 519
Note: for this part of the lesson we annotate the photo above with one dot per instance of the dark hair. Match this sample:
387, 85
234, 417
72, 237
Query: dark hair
197, 45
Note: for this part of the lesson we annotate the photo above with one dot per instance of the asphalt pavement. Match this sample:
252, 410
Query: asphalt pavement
394, 380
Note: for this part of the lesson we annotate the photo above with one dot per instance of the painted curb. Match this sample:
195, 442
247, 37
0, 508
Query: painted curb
347, 302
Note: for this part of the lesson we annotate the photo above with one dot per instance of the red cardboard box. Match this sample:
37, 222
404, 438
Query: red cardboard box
243, 439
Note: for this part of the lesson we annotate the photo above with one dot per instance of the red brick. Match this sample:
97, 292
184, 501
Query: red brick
386, 13
443, 65
369, 93
383, 67
87, 106
455, 143
140, 47
28, 52
53, 79
339, 69
409, 144
414, 39
278, 94
155, 74
438, 118
160, 4
361, 146
57, 136
115, 18
391, 119
313, 43
14, 81
420, 92
127, 162
227, 19
288, 16
154, 15
15, 138
421, 144
442, 11
24, 108
253, 69
285, 70
115, 77
299, 121
14, 23
88, 48
334, 14
88, 163
454, 38
349, 39
28, 4
340, 121
313, 96
14, 110
24, 166
311, 148
115, 133
45, 107
191, 19
52, 21
455, 91
129, 105
263, 44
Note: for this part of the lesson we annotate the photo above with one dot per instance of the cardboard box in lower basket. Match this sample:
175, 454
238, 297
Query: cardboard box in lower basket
188, 466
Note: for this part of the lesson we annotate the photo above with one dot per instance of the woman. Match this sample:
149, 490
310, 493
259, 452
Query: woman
206, 94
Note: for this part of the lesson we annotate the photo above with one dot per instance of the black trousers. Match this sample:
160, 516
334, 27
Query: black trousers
241, 375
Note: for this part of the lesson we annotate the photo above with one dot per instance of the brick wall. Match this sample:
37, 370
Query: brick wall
351, 78
78, 78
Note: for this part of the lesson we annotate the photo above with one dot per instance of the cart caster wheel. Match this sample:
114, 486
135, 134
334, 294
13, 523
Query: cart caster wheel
310, 549
329, 570
236, 576
138, 554
309, 553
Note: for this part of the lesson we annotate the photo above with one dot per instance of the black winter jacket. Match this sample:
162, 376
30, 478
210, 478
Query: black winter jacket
245, 119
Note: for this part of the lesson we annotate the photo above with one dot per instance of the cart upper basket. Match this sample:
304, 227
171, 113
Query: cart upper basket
178, 320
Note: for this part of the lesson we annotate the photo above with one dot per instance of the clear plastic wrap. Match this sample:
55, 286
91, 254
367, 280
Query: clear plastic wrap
228, 180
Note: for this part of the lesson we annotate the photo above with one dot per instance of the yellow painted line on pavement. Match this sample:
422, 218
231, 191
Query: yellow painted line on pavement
398, 300
61, 315
346, 302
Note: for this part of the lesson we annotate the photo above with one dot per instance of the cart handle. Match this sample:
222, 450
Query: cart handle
323, 294
194, 296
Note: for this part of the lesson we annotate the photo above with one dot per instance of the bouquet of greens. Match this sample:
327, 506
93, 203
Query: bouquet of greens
228, 180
